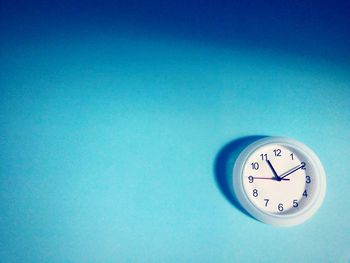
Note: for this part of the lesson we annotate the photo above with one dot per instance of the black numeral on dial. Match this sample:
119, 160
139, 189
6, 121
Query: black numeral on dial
295, 203
280, 207
308, 179
255, 166
266, 201
305, 193
263, 156
277, 152
292, 155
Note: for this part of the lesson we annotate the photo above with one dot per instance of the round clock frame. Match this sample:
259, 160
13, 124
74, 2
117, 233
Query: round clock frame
271, 218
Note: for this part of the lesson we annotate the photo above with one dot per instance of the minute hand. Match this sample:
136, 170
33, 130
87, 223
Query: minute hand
292, 170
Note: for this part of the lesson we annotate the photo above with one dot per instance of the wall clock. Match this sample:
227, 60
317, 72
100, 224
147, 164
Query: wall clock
279, 181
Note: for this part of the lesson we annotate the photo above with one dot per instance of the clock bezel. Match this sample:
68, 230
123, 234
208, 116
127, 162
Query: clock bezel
274, 219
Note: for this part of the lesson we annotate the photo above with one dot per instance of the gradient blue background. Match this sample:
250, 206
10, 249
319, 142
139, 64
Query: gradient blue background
112, 117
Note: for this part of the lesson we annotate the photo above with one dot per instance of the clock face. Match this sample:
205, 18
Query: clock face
279, 181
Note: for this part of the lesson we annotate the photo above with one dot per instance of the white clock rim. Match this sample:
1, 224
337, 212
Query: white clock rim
279, 220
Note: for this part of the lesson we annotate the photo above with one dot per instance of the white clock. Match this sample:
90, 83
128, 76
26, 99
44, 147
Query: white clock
279, 181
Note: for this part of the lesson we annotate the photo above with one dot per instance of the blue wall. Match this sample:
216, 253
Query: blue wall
113, 117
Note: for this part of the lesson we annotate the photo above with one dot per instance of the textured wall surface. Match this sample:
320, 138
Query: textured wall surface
113, 119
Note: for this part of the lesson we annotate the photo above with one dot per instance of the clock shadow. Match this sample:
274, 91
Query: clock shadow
223, 167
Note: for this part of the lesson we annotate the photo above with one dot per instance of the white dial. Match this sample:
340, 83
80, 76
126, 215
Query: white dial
279, 181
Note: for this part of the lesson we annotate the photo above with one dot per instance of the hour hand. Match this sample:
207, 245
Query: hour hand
273, 170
